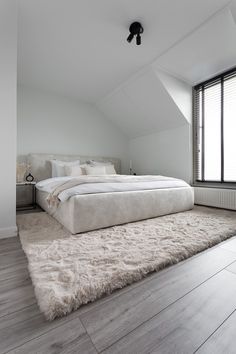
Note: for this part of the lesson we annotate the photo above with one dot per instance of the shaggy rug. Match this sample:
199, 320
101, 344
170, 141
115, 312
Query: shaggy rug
70, 270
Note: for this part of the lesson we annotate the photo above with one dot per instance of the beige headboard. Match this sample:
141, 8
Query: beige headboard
41, 166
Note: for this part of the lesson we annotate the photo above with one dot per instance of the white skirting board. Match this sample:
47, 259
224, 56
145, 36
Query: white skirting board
8, 232
220, 198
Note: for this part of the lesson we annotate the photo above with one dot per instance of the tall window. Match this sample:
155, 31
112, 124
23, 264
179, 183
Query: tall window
215, 130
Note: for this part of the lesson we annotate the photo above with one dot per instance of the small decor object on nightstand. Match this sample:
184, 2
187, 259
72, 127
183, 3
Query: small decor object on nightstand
131, 172
130, 167
29, 178
21, 170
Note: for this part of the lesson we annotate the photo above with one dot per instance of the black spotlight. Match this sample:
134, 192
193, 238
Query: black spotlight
138, 39
135, 30
130, 37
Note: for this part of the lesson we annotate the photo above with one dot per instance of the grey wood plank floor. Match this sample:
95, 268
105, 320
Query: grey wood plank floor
187, 308
223, 340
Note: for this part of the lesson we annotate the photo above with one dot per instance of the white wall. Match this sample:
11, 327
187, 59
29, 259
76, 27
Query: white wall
166, 153
53, 124
8, 47
48, 123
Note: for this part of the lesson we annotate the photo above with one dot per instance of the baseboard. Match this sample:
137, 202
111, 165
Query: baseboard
8, 232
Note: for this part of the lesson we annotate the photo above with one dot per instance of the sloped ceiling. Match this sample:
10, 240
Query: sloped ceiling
78, 47
206, 52
179, 91
143, 105
163, 100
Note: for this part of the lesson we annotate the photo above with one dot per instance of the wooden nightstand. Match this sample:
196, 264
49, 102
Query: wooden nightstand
25, 195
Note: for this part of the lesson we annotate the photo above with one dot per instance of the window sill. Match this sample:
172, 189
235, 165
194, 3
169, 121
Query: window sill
214, 185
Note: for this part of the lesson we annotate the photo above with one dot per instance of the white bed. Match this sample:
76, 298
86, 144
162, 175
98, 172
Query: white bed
107, 207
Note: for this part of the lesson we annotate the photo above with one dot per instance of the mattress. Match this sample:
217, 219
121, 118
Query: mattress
86, 212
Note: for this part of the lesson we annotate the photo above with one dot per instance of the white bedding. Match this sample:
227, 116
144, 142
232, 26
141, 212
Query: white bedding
109, 184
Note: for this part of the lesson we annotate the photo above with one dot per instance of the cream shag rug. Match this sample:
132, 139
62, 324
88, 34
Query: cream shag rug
70, 270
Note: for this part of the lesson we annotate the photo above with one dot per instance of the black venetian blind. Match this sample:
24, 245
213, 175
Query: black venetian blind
215, 129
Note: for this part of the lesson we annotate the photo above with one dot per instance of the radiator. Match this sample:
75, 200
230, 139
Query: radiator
220, 198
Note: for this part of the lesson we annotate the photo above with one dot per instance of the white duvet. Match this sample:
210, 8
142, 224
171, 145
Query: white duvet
113, 183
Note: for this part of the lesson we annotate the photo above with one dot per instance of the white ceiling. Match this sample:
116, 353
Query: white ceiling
162, 100
204, 53
78, 47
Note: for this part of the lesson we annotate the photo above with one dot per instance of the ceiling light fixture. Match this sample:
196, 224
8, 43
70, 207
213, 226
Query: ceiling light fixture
135, 30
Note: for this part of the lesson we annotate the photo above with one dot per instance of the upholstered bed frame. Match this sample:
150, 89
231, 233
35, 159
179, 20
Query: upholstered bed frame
87, 212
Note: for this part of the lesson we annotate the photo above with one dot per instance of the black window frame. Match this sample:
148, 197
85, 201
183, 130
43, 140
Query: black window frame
201, 86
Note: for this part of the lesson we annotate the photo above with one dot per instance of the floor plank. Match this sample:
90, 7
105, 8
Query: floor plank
9, 240
232, 268
15, 271
16, 291
12, 258
70, 338
230, 245
223, 340
110, 319
9, 244
16, 282
24, 325
16, 299
185, 325
12, 265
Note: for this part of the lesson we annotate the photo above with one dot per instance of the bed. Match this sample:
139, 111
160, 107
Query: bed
112, 204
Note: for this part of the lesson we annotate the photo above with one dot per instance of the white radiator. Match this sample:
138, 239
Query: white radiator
220, 198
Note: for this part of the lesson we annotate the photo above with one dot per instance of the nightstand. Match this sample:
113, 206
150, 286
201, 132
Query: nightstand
25, 195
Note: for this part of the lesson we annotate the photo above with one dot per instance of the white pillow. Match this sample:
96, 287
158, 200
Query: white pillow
110, 170
95, 170
58, 167
83, 168
99, 163
74, 171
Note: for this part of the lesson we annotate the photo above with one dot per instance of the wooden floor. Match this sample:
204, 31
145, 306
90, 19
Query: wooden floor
188, 308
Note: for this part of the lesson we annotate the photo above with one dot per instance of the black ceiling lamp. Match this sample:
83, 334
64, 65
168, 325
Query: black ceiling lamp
135, 30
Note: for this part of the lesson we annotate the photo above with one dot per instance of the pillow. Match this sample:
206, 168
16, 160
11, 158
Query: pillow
74, 171
95, 170
58, 167
99, 163
110, 170
83, 168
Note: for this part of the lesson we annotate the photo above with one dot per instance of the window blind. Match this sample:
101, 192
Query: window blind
214, 129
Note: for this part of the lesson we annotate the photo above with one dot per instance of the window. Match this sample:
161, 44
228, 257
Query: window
215, 130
